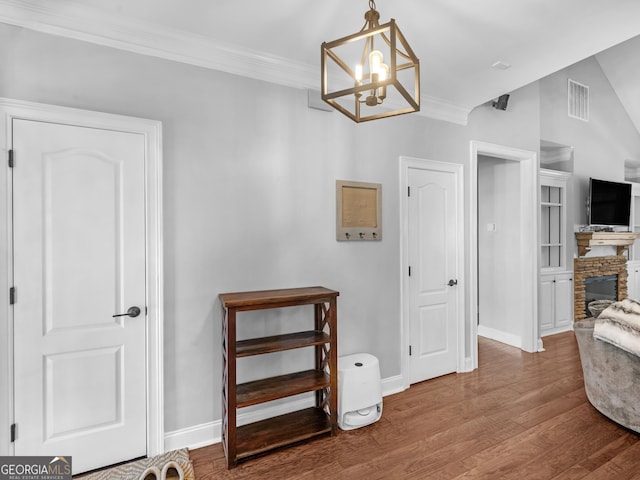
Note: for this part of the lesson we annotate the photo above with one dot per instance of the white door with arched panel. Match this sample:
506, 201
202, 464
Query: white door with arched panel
434, 210
79, 260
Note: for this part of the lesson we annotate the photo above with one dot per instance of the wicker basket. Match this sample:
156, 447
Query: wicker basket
597, 306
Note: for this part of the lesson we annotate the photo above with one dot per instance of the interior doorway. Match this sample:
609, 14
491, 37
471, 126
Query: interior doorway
499, 239
503, 246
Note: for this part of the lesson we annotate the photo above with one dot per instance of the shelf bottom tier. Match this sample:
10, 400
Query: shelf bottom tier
275, 432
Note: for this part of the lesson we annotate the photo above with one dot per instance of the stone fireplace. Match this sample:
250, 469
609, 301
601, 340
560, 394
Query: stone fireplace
590, 271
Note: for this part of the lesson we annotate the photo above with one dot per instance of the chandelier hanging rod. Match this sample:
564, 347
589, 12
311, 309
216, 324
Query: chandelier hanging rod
372, 19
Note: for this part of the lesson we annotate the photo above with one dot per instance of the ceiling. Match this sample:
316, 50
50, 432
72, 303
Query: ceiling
457, 41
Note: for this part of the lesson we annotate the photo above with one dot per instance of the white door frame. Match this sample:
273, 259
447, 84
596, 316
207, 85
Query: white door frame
405, 334
529, 241
152, 131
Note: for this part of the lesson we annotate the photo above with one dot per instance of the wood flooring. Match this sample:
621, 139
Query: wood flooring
519, 416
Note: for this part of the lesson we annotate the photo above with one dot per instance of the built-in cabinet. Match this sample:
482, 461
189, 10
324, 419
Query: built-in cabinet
555, 292
555, 303
633, 265
634, 222
553, 219
633, 280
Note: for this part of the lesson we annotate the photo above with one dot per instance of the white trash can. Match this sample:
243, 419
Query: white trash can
359, 391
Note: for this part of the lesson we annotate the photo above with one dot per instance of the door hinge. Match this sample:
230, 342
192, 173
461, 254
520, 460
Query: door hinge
12, 296
409, 270
408, 191
13, 432
409, 350
11, 159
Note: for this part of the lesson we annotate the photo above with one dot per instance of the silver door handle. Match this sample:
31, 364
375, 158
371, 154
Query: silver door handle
132, 312
452, 282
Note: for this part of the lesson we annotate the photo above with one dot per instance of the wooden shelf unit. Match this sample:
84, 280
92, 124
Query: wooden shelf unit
259, 437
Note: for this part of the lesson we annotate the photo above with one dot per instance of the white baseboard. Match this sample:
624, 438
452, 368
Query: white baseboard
540, 345
554, 331
392, 385
467, 366
209, 433
502, 337
193, 437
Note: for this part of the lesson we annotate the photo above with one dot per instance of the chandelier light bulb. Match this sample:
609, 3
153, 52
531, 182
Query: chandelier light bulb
358, 73
383, 71
375, 60
384, 74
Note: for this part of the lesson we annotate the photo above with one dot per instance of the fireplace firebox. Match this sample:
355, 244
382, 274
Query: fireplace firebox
603, 287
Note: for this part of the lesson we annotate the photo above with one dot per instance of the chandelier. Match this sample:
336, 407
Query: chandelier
381, 77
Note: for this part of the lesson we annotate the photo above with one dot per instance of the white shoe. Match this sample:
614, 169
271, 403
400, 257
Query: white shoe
172, 471
151, 473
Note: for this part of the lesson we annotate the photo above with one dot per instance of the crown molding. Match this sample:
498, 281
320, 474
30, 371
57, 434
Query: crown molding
439, 109
72, 19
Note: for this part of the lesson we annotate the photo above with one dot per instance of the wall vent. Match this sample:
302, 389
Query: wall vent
578, 95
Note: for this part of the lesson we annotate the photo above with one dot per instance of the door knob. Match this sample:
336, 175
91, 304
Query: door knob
452, 282
132, 312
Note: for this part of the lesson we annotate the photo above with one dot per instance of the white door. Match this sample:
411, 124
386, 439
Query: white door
433, 211
79, 259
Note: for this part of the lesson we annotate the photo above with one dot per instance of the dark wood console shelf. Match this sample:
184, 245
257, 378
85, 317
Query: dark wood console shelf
276, 432
268, 389
259, 437
279, 343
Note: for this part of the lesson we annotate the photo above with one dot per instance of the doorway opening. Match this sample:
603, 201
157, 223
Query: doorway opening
498, 242
503, 247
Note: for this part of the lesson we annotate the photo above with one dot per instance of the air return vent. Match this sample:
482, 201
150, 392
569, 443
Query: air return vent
578, 101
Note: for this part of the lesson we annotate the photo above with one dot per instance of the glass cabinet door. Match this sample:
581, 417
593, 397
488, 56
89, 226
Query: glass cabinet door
552, 221
551, 226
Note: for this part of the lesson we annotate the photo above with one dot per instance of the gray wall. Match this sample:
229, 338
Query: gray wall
249, 192
601, 145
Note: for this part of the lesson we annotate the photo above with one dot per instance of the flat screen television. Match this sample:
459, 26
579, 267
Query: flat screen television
609, 202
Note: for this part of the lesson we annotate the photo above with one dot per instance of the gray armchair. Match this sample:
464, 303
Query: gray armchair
611, 377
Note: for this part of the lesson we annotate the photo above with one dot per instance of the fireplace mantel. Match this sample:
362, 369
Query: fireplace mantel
620, 240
